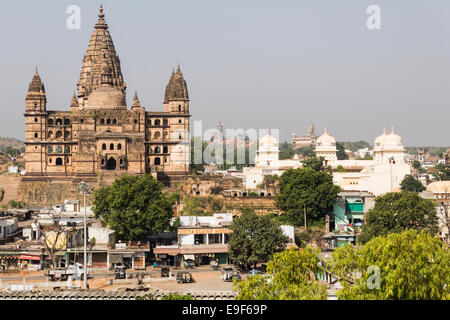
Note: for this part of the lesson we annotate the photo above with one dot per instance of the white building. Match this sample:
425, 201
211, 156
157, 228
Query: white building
326, 147
8, 225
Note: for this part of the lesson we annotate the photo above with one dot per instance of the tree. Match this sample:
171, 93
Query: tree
411, 184
294, 278
341, 154
398, 211
403, 266
134, 206
255, 239
441, 172
309, 189
286, 151
54, 236
316, 163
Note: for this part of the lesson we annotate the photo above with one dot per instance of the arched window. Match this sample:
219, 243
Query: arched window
66, 149
165, 149
157, 161
50, 150
165, 122
66, 122
157, 135
111, 146
149, 150
179, 120
157, 122
50, 121
67, 134
108, 121
104, 146
58, 122
35, 135
119, 146
102, 121
58, 150
114, 121
35, 119
59, 161
58, 134
157, 149
50, 160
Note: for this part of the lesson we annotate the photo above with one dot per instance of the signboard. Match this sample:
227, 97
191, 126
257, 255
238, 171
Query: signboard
204, 230
28, 257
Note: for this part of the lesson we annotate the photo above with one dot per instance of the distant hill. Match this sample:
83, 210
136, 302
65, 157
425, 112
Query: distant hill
11, 142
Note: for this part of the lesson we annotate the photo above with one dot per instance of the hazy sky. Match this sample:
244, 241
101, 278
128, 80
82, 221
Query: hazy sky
250, 63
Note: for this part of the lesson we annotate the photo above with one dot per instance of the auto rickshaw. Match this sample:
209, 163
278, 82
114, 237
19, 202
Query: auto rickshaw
165, 271
119, 272
189, 264
184, 277
232, 275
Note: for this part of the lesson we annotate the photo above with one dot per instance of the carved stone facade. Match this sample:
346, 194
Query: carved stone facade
100, 136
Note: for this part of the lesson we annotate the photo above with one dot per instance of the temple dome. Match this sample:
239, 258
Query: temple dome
326, 140
106, 98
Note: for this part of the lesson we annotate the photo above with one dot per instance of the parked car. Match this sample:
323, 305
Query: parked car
255, 272
75, 271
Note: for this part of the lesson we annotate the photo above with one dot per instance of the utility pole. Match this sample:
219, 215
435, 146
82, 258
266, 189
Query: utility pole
85, 189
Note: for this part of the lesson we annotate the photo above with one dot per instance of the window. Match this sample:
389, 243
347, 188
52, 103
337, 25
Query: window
81, 120
58, 134
66, 149
157, 122
157, 135
149, 122
165, 149
135, 120
104, 146
102, 121
67, 134
35, 135
59, 161
149, 150
111, 146
50, 121
66, 122
179, 108
35, 119
114, 121
157, 149
179, 120
58, 122
108, 121
157, 161
119, 147
165, 122
50, 150
49, 134
50, 161
58, 150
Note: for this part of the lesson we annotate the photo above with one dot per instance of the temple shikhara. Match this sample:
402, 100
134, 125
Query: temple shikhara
99, 136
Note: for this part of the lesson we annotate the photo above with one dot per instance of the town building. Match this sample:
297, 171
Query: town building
100, 137
305, 141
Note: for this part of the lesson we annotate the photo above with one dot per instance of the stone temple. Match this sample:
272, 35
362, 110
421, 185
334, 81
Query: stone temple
100, 137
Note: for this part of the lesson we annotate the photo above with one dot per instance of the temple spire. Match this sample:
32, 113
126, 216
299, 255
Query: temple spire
74, 103
36, 84
136, 102
100, 55
176, 89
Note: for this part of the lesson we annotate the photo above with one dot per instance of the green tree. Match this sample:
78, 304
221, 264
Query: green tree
286, 151
398, 211
294, 274
309, 189
341, 154
316, 163
133, 206
255, 239
441, 172
411, 184
411, 265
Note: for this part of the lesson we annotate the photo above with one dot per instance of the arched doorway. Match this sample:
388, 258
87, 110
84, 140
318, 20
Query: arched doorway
111, 164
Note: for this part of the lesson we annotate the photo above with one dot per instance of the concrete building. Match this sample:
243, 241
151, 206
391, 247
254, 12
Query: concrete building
100, 136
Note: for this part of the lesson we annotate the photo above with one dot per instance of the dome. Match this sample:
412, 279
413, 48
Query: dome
380, 139
326, 139
106, 98
267, 140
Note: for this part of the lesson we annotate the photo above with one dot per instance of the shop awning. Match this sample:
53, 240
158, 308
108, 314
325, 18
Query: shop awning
188, 257
115, 258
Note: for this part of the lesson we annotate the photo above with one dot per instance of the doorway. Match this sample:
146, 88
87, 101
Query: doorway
111, 164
